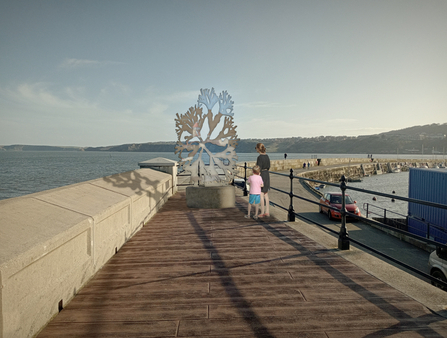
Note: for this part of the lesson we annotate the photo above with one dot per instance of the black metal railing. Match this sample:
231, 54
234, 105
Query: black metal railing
343, 236
371, 209
400, 221
441, 232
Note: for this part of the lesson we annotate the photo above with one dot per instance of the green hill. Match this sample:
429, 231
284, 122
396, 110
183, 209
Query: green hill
427, 139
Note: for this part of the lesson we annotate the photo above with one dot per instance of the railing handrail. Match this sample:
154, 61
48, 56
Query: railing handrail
436, 205
387, 211
343, 234
377, 207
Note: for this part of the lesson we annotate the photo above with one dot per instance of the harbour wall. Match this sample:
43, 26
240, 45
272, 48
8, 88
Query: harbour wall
331, 169
53, 242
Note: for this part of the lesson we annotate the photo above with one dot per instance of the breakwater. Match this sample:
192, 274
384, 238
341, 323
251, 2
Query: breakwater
331, 169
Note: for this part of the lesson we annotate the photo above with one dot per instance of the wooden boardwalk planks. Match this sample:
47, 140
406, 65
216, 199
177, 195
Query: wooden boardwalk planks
213, 273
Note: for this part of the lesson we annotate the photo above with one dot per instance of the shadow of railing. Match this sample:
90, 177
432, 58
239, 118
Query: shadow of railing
343, 236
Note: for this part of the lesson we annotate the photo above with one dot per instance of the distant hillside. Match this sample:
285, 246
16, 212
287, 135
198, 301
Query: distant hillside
145, 147
20, 147
427, 139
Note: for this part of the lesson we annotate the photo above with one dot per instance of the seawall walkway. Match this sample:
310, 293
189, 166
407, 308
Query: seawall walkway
213, 273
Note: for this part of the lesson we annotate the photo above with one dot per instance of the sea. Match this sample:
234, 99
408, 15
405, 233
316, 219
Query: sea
27, 172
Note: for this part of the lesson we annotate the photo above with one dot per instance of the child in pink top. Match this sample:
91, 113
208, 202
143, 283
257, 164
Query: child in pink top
256, 183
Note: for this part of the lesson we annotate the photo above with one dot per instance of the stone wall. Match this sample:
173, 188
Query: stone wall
53, 242
352, 167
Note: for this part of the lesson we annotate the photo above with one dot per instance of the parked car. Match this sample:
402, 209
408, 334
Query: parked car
438, 266
334, 199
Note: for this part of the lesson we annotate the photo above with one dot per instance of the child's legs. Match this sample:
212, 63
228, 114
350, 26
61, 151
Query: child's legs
253, 200
256, 209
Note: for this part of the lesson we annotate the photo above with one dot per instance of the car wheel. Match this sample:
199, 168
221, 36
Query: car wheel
439, 275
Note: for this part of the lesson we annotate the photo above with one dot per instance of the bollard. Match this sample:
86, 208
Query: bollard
291, 215
343, 236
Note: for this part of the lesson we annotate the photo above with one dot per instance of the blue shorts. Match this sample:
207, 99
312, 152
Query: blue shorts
255, 199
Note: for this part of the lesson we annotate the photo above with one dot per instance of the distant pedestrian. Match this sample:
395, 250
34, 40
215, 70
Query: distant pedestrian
256, 184
308, 165
304, 165
263, 161
285, 156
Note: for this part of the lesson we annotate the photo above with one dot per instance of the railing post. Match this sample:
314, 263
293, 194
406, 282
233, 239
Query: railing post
291, 215
343, 236
367, 210
245, 180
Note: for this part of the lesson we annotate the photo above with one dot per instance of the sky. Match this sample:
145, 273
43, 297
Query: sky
97, 73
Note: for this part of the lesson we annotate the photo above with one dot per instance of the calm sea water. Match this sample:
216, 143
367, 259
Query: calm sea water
26, 172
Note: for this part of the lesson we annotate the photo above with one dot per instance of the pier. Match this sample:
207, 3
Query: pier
196, 272
213, 273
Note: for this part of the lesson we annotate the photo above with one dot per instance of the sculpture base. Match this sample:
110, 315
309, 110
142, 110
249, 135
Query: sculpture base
211, 197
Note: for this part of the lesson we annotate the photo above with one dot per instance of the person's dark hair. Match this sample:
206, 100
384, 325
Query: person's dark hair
261, 147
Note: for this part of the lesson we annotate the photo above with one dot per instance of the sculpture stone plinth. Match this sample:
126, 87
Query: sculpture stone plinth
218, 197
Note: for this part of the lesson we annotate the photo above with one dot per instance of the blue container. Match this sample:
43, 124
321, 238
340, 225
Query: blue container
428, 185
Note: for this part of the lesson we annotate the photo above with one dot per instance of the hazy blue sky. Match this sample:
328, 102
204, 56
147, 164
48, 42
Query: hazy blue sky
91, 73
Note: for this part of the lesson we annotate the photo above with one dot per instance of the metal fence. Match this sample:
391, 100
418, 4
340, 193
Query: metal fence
343, 236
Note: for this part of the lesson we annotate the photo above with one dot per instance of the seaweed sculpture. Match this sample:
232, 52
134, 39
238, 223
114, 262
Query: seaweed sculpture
200, 138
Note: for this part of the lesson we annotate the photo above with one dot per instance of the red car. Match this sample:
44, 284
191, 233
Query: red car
334, 199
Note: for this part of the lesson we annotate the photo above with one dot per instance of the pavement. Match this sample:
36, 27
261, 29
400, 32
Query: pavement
214, 273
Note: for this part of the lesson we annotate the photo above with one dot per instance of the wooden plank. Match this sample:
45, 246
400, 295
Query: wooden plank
213, 273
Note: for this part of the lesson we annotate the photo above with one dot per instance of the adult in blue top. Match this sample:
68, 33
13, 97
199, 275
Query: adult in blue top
263, 162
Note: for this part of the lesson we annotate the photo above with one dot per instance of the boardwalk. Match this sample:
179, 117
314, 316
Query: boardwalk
213, 273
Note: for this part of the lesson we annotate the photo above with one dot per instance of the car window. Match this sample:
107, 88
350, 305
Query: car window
348, 200
336, 199
441, 253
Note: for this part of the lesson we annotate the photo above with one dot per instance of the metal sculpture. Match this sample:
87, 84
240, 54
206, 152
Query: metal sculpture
200, 139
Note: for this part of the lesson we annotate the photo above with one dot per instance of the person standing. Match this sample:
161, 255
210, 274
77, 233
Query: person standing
256, 184
263, 161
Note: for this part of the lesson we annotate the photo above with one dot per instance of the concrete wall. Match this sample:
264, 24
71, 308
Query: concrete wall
282, 165
370, 167
53, 242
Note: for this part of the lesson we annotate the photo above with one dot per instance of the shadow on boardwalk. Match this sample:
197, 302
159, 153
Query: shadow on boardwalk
213, 273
